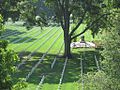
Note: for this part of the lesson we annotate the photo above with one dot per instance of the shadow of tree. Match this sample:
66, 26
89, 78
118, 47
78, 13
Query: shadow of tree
52, 76
8, 31
16, 36
21, 39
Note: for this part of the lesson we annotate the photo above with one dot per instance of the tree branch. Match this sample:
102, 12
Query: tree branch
61, 5
79, 23
90, 25
60, 8
62, 24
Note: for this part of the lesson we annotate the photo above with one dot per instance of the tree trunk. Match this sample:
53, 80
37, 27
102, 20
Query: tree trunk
65, 23
67, 38
67, 41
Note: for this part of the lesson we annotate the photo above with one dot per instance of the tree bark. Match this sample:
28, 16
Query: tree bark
67, 37
67, 42
65, 23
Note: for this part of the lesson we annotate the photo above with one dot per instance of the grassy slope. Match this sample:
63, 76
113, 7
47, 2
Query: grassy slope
72, 73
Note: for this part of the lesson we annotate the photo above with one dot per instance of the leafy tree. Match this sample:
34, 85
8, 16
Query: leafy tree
111, 52
8, 9
1, 25
28, 13
7, 61
108, 78
92, 13
96, 81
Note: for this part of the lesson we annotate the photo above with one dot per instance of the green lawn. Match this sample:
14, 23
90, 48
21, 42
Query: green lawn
37, 47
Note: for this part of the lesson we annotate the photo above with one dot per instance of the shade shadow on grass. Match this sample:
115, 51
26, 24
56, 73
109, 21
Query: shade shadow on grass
8, 36
8, 31
89, 63
72, 72
16, 36
21, 39
11, 31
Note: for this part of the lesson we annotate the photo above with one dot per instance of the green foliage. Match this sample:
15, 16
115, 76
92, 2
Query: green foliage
116, 4
28, 11
3, 44
20, 85
109, 77
1, 24
111, 52
93, 9
96, 81
8, 9
88, 12
7, 62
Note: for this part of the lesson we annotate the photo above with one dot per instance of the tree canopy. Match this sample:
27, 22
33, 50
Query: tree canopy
92, 13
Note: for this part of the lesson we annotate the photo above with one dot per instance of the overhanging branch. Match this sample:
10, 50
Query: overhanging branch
62, 24
79, 23
60, 8
60, 4
90, 25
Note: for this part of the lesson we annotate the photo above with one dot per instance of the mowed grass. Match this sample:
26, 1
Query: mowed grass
43, 45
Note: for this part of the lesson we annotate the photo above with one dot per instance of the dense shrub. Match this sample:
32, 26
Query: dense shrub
108, 78
111, 52
7, 62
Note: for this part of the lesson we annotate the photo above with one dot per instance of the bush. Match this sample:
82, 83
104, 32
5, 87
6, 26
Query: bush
3, 44
7, 61
97, 81
20, 85
111, 52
